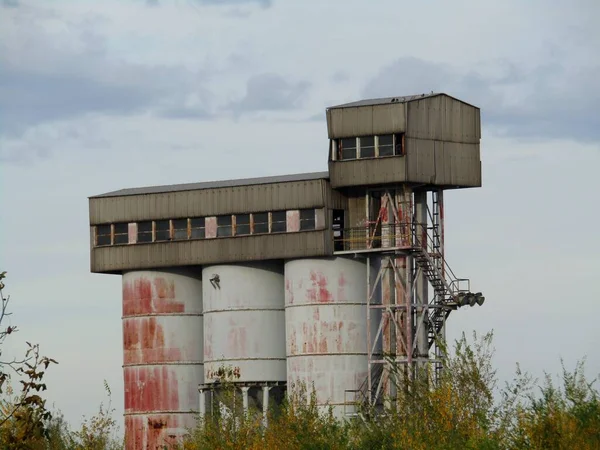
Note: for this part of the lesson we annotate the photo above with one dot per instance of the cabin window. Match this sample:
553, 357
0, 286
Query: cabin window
180, 229
103, 233
162, 230
197, 228
348, 146
224, 225
242, 224
385, 145
367, 147
260, 223
307, 219
144, 232
121, 233
278, 222
399, 144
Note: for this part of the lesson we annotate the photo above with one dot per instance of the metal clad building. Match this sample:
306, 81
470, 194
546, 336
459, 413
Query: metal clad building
351, 251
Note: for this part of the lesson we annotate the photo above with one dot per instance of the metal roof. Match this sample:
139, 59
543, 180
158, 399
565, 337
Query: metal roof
400, 99
216, 184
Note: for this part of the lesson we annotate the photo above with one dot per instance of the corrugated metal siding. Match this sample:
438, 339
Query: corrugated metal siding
443, 118
365, 172
443, 163
208, 202
211, 251
420, 157
366, 120
357, 212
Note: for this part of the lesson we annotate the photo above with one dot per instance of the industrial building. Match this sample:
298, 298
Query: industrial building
322, 278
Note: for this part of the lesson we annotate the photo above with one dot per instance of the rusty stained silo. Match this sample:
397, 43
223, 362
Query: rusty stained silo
162, 341
326, 327
244, 333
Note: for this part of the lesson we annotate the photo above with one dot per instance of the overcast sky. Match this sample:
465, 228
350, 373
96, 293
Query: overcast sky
99, 96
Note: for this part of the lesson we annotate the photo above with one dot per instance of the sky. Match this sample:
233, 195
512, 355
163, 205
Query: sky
99, 96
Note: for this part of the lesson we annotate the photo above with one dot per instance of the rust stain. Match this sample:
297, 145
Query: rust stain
144, 342
150, 389
237, 340
318, 292
143, 296
290, 291
154, 432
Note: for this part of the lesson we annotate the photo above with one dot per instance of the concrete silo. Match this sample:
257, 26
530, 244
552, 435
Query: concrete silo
162, 344
326, 326
244, 330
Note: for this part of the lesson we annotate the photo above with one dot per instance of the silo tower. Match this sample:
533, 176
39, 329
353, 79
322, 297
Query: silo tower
393, 158
327, 279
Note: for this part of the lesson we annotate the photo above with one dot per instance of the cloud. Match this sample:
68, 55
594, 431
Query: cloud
68, 76
270, 92
546, 101
9, 3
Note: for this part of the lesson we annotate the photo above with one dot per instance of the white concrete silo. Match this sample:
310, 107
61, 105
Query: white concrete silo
326, 329
162, 355
244, 328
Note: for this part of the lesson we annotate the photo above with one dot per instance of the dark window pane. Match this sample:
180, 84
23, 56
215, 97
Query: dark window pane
367, 147
197, 222
144, 227
278, 216
278, 227
386, 139
278, 222
144, 232
261, 223
398, 150
386, 150
224, 226
121, 228
223, 221
163, 230
103, 235
121, 233
197, 233
180, 229
349, 148
307, 219
197, 228
261, 228
242, 224
242, 229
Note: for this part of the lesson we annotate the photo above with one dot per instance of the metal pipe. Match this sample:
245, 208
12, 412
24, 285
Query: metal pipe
265, 405
245, 390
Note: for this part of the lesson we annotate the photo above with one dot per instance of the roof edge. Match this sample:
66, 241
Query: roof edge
240, 182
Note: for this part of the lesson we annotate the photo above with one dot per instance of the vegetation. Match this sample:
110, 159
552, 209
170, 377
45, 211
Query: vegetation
464, 410
459, 412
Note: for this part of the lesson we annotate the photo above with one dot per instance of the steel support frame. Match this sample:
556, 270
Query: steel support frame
398, 318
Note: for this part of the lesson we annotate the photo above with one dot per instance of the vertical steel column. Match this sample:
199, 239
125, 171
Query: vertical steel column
265, 405
422, 283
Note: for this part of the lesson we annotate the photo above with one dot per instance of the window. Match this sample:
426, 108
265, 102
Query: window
307, 219
367, 147
103, 235
121, 233
278, 222
242, 224
399, 144
180, 229
348, 148
197, 228
224, 226
163, 230
385, 145
144, 232
261, 223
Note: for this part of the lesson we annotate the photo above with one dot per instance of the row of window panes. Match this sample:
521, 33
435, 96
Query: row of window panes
370, 146
194, 228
